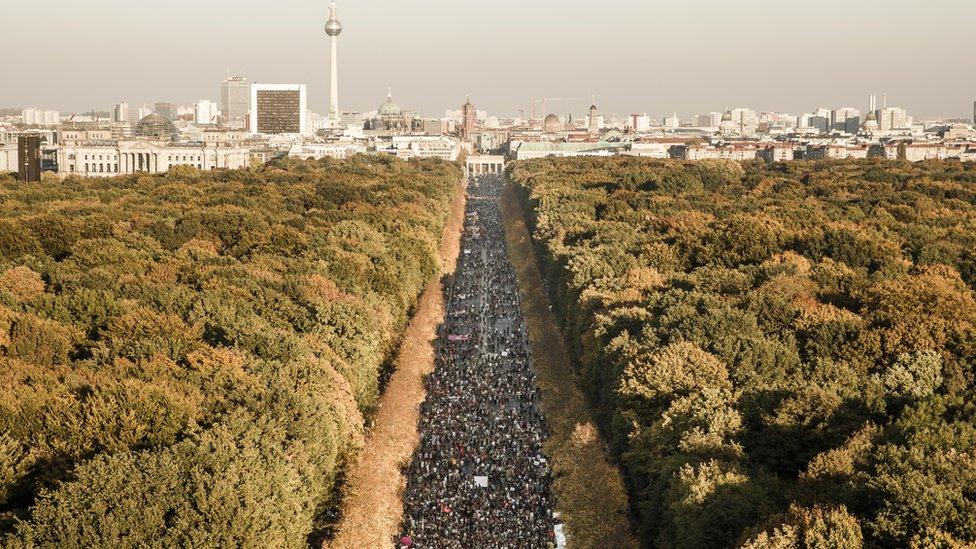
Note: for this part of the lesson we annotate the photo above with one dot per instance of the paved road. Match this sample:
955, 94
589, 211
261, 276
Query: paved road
479, 478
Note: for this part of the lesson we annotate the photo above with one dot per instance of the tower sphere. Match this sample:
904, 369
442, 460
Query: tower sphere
333, 27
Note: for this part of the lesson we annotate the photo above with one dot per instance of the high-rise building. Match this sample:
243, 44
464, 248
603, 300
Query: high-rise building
29, 157
672, 122
205, 112
469, 120
333, 28
640, 122
169, 110
235, 98
847, 119
593, 123
278, 109
37, 117
139, 114
121, 113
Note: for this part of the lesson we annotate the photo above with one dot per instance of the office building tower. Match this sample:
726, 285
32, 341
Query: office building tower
121, 113
205, 112
235, 98
278, 109
169, 110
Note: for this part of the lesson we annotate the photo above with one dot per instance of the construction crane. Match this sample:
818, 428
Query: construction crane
545, 101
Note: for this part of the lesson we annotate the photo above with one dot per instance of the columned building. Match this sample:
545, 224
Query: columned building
108, 159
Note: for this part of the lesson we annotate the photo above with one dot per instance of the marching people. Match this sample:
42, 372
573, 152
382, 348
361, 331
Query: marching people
479, 478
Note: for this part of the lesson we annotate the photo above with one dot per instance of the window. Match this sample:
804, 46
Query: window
116, 168
86, 166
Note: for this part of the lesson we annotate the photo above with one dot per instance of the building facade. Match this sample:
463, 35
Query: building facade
278, 109
205, 112
235, 99
29, 158
108, 158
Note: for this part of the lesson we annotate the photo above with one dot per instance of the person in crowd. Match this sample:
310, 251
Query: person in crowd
479, 477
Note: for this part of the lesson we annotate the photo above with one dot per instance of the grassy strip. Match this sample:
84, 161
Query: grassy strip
372, 507
589, 489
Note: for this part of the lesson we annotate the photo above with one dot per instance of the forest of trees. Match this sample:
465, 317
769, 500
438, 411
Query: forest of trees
186, 360
782, 355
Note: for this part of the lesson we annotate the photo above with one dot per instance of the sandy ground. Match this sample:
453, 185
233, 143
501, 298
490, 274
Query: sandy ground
372, 506
589, 490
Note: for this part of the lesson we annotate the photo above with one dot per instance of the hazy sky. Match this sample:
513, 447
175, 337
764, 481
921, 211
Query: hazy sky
656, 56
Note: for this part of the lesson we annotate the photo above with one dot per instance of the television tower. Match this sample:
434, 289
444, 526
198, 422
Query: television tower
333, 28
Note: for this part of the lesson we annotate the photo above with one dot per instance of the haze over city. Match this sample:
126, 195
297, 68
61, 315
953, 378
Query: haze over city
658, 57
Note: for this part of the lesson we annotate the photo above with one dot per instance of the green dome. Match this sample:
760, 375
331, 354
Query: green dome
389, 108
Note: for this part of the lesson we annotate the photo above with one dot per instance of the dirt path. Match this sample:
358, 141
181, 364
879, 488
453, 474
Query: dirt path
589, 490
372, 508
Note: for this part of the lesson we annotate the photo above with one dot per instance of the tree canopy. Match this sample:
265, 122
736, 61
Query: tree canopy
187, 359
783, 355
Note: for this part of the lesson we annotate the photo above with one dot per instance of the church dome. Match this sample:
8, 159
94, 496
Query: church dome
727, 117
389, 107
552, 124
156, 126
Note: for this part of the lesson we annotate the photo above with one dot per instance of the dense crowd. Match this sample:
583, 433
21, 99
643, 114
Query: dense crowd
479, 478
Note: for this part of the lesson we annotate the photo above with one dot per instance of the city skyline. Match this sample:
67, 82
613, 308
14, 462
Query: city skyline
633, 57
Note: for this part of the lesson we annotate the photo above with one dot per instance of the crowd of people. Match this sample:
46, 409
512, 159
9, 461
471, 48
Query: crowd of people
479, 477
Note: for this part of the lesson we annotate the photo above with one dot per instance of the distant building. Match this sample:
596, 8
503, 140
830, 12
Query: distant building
111, 158
469, 120
552, 124
169, 110
29, 158
235, 99
593, 122
37, 117
278, 109
390, 120
121, 112
138, 114
8, 158
780, 152
317, 151
847, 120
205, 112
704, 152
640, 122
418, 146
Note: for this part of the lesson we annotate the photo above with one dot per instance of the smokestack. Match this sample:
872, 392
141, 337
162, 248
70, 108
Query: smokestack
884, 101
